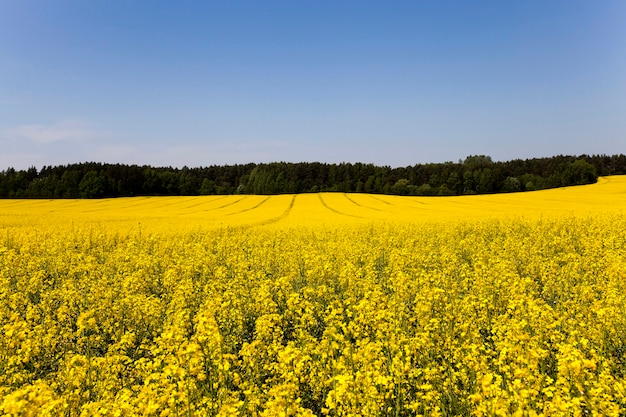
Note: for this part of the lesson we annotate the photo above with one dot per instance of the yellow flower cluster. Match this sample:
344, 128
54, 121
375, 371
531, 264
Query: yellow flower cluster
387, 314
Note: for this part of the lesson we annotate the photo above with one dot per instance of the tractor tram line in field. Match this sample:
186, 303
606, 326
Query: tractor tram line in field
324, 204
204, 200
259, 204
229, 203
277, 219
203, 204
375, 197
353, 201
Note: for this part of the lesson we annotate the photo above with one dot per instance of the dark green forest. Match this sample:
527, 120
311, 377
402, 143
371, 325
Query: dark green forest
477, 174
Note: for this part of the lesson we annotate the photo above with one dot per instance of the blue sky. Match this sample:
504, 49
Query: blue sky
394, 83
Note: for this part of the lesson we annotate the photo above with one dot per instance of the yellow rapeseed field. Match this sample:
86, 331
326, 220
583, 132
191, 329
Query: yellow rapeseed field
324, 304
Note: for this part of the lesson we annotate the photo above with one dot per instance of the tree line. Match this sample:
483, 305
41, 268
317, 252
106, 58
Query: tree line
476, 174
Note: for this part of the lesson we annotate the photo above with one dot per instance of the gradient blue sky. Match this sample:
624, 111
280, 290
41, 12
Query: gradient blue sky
395, 83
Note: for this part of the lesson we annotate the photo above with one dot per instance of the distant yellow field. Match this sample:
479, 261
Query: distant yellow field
607, 195
316, 305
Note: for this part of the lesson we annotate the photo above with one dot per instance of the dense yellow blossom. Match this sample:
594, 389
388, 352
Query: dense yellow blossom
316, 304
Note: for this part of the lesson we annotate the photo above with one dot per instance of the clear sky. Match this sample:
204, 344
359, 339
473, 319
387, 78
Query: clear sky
197, 83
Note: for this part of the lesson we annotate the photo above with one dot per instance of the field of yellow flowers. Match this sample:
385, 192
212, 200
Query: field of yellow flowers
316, 305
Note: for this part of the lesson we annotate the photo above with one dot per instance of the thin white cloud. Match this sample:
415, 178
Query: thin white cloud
43, 134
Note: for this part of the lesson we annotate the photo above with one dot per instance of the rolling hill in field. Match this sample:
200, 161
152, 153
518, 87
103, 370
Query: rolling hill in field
608, 194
